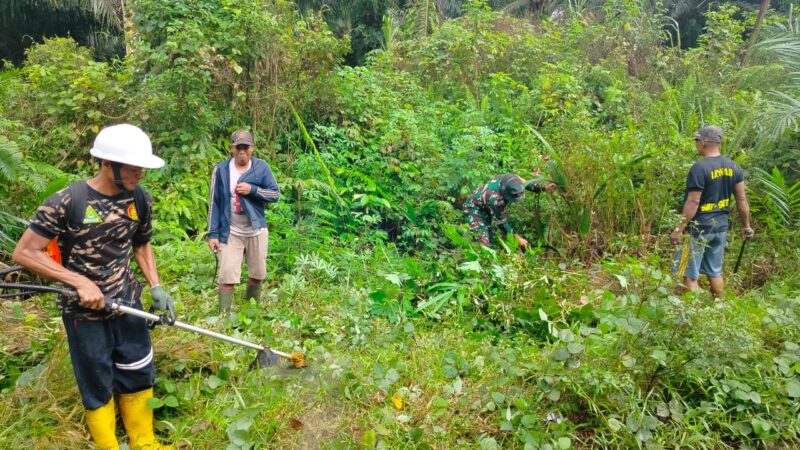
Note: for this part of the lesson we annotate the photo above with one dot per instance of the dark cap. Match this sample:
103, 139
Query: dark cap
709, 133
241, 137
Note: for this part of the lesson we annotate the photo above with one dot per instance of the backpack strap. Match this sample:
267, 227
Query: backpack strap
79, 192
140, 200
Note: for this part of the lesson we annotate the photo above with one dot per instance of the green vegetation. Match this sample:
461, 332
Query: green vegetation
417, 337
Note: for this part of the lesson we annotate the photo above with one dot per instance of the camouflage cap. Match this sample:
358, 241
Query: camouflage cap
241, 137
709, 133
513, 189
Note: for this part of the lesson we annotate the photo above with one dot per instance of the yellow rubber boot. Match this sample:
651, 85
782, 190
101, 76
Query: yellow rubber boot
138, 420
102, 426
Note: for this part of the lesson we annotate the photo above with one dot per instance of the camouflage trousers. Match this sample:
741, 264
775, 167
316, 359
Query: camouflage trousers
480, 225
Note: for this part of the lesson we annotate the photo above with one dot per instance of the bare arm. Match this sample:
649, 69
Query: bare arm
744, 210
742, 205
689, 210
31, 254
146, 260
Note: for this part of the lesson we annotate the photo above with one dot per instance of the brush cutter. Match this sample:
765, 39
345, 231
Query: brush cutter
7, 273
265, 357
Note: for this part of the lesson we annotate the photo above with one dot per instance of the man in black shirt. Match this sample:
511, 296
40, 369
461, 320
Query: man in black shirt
710, 185
110, 353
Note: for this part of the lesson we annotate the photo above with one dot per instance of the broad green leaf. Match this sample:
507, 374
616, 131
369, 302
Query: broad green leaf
575, 348
586, 221
369, 439
561, 354
498, 397
649, 422
793, 389
542, 315
213, 382
470, 266
171, 401
439, 402
614, 424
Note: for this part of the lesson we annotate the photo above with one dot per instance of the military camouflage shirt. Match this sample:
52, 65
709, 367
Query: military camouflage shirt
488, 201
103, 244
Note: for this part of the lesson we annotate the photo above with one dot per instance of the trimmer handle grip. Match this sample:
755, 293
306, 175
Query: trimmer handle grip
110, 303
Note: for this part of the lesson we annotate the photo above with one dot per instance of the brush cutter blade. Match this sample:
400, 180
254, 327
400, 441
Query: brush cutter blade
265, 358
298, 360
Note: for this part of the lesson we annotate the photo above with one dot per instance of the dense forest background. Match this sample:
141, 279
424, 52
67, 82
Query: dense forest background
378, 117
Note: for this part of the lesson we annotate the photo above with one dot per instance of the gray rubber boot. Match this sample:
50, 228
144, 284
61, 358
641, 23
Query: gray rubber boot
253, 291
225, 301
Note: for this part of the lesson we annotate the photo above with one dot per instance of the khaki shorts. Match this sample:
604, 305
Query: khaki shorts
252, 249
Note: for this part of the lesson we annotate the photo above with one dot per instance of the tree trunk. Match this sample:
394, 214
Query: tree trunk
762, 12
127, 26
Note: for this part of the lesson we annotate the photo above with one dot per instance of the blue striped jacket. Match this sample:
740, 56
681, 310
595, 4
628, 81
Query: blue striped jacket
264, 189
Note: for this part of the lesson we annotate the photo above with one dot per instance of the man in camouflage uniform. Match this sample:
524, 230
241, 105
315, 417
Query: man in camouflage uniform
489, 202
110, 353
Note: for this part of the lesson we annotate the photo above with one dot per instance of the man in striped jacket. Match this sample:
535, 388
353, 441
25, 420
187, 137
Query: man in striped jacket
241, 186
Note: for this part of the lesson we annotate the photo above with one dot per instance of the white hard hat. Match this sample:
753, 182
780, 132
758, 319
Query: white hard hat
125, 144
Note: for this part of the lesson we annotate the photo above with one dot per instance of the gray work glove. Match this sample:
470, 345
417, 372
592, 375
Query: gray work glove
748, 233
162, 301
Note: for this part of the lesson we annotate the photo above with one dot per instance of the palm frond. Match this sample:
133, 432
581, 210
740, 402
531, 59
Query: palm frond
427, 17
779, 114
778, 196
786, 47
108, 12
449, 9
10, 159
783, 41
105, 12
11, 227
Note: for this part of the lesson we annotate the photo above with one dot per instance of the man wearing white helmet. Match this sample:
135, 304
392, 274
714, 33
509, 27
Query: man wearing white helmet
97, 223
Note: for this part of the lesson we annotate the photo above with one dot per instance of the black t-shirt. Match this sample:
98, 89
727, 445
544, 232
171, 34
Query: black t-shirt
715, 177
102, 248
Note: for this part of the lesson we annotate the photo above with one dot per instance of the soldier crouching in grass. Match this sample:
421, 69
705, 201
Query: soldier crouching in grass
488, 204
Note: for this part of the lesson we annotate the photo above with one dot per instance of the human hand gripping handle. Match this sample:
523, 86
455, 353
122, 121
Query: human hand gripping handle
675, 236
89, 295
162, 301
214, 245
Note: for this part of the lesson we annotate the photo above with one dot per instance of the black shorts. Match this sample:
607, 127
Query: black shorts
108, 354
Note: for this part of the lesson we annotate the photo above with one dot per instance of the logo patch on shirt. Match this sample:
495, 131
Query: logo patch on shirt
132, 212
92, 216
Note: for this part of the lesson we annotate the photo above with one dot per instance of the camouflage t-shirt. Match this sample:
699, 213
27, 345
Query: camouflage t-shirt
102, 248
488, 201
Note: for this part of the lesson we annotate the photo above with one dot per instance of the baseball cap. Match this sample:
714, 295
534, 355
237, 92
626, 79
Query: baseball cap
241, 137
709, 133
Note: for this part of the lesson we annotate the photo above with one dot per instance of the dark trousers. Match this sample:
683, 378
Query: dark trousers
108, 354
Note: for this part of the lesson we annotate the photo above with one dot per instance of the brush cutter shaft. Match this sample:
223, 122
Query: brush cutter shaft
295, 358
187, 327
